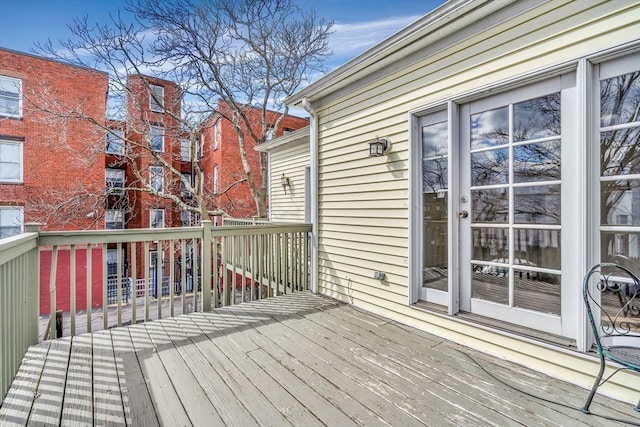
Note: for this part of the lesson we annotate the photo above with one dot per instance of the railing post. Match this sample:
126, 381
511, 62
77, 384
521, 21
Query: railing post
33, 295
206, 265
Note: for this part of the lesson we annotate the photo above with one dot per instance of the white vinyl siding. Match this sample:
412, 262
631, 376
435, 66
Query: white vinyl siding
289, 205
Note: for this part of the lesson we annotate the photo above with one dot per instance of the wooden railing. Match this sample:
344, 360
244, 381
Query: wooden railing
245, 221
92, 280
18, 303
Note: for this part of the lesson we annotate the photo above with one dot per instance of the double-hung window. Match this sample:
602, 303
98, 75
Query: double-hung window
184, 190
11, 220
185, 150
114, 180
10, 97
216, 179
216, 135
115, 141
156, 139
156, 98
156, 218
113, 219
156, 178
10, 161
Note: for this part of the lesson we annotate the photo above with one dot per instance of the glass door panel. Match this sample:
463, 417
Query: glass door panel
435, 189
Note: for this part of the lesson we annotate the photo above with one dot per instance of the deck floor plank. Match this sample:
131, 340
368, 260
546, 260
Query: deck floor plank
296, 359
19, 400
196, 404
135, 393
236, 348
108, 407
167, 403
47, 406
77, 409
245, 390
485, 398
221, 395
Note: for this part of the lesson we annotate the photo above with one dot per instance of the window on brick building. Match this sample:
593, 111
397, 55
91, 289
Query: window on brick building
271, 133
10, 161
185, 150
156, 98
10, 97
113, 219
184, 190
115, 141
216, 179
156, 218
156, 178
216, 135
11, 221
156, 139
114, 180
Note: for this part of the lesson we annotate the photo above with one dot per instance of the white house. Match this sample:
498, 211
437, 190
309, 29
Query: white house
511, 131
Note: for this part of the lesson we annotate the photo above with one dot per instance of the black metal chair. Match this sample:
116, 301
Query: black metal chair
612, 296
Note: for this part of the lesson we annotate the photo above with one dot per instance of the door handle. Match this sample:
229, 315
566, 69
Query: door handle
463, 214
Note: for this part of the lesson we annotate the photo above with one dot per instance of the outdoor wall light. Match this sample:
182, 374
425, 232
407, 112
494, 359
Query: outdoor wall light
284, 181
379, 146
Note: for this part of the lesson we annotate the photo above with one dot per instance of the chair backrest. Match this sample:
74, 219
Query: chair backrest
611, 294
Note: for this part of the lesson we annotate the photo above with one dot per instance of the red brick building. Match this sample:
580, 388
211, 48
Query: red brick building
47, 155
225, 164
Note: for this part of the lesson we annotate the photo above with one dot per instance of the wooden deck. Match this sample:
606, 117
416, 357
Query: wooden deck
300, 360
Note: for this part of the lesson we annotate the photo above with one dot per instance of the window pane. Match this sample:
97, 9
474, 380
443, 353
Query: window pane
537, 204
490, 283
156, 98
10, 90
537, 118
156, 178
10, 222
537, 291
491, 244
490, 205
620, 99
157, 138
490, 128
620, 202
536, 162
157, 218
10, 161
620, 152
537, 248
435, 175
435, 141
490, 167
115, 142
185, 150
622, 248
435, 241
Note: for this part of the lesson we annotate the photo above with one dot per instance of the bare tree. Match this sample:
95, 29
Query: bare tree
246, 55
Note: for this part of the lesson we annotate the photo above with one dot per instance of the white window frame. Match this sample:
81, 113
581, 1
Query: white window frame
115, 138
113, 216
156, 173
185, 150
158, 91
216, 179
156, 132
6, 84
159, 213
216, 135
20, 178
184, 191
116, 176
10, 219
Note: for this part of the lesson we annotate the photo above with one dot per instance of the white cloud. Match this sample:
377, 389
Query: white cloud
349, 40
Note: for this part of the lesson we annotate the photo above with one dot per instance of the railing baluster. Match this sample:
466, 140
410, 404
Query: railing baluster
52, 292
119, 281
72, 286
171, 276
146, 281
206, 266
183, 275
133, 285
159, 278
105, 310
89, 301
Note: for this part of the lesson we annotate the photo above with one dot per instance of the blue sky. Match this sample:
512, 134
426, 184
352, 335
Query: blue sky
358, 24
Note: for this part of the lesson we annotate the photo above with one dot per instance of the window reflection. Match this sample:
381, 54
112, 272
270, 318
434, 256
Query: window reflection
490, 205
619, 98
490, 128
536, 162
537, 204
490, 167
537, 118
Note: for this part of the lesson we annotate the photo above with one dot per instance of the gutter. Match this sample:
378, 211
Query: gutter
313, 155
